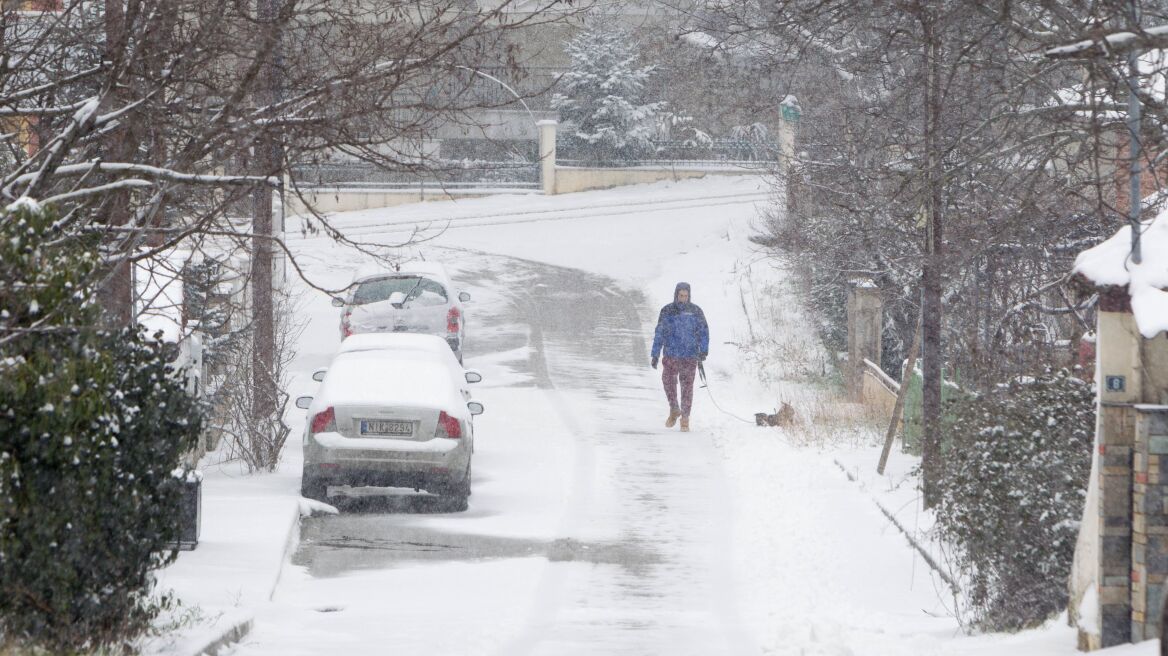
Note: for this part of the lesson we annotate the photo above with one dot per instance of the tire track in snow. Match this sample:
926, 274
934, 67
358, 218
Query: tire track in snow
648, 485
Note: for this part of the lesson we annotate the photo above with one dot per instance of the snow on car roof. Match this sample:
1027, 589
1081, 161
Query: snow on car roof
397, 341
429, 269
389, 377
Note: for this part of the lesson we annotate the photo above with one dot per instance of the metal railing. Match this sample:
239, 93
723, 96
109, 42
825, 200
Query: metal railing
440, 174
872, 369
737, 153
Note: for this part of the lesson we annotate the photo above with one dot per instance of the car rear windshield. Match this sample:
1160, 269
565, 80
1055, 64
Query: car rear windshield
415, 288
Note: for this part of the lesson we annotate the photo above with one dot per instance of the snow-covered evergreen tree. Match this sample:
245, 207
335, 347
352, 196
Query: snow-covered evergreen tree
93, 426
1012, 495
603, 97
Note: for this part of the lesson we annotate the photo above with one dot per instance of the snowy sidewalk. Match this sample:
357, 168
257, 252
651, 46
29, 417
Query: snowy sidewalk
249, 525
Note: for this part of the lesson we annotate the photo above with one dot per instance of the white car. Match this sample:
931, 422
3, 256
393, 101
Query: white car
393, 410
418, 298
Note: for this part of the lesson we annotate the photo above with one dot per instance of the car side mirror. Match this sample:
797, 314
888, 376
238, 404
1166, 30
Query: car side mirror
475, 408
463, 296
303, 402
338, 302
318, 375
473, 376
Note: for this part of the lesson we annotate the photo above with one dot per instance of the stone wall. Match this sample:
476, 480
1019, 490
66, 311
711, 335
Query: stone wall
878, 392
1122, 552
1149, 521
557, 179
346, 199
1119, 386
570, 179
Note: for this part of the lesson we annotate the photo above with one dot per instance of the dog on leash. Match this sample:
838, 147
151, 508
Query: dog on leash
785, 416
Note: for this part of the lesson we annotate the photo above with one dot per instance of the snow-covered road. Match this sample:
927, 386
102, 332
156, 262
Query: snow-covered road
593, 529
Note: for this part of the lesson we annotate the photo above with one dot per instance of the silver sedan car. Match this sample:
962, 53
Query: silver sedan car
417, 298
393, 410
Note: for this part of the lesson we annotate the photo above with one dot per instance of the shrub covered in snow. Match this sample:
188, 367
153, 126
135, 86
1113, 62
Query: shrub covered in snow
603, 97
1012, 495
93, 425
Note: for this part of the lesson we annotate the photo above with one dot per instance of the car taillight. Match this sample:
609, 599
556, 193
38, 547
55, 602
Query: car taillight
452, 320
324, 421
447, 426
345, 329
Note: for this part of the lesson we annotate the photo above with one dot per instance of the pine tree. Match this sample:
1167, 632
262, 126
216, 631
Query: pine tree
603, 97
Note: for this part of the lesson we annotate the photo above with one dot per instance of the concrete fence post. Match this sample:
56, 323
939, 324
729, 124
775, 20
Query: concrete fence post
865, 321
547, 155
790, 112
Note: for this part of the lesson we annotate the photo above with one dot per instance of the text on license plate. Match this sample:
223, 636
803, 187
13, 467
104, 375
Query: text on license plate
386, 427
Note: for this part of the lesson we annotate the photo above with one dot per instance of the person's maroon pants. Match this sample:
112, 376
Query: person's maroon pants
674, 370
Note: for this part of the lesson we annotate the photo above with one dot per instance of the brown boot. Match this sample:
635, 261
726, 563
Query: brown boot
685, 424
673, 415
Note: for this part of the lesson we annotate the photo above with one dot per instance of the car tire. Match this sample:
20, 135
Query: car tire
457, 495
314, 488
456, 503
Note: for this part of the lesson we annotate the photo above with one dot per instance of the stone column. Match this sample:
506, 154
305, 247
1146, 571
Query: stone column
1119, 389
1149, 521
547, 155
865, 321
1150, 490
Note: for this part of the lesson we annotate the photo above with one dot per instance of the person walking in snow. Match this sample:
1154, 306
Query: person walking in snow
682, 337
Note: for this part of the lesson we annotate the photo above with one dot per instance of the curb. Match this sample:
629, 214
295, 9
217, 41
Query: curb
232, 635
290, 542
240, 629
907, 535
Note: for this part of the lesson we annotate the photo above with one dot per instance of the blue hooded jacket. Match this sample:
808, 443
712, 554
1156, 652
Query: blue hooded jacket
682, 331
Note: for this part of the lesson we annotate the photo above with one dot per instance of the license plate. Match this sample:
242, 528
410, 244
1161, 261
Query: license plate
386, 427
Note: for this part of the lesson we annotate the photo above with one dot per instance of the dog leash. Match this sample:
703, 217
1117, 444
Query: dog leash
706, 385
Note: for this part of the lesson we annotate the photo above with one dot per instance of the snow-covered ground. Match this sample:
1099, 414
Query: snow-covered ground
592, 528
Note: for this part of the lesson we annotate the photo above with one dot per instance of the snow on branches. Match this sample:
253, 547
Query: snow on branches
603, 96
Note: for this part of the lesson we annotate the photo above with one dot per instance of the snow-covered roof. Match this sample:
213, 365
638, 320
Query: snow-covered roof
1110, 263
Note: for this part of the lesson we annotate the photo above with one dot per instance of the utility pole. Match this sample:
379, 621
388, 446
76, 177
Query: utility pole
1133, 126
1133, 42
267, 161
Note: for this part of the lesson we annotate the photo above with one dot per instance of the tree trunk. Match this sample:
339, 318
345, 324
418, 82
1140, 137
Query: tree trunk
932, 281
116, 294
267, 161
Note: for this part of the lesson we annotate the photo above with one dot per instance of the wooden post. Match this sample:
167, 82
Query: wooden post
898, 409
